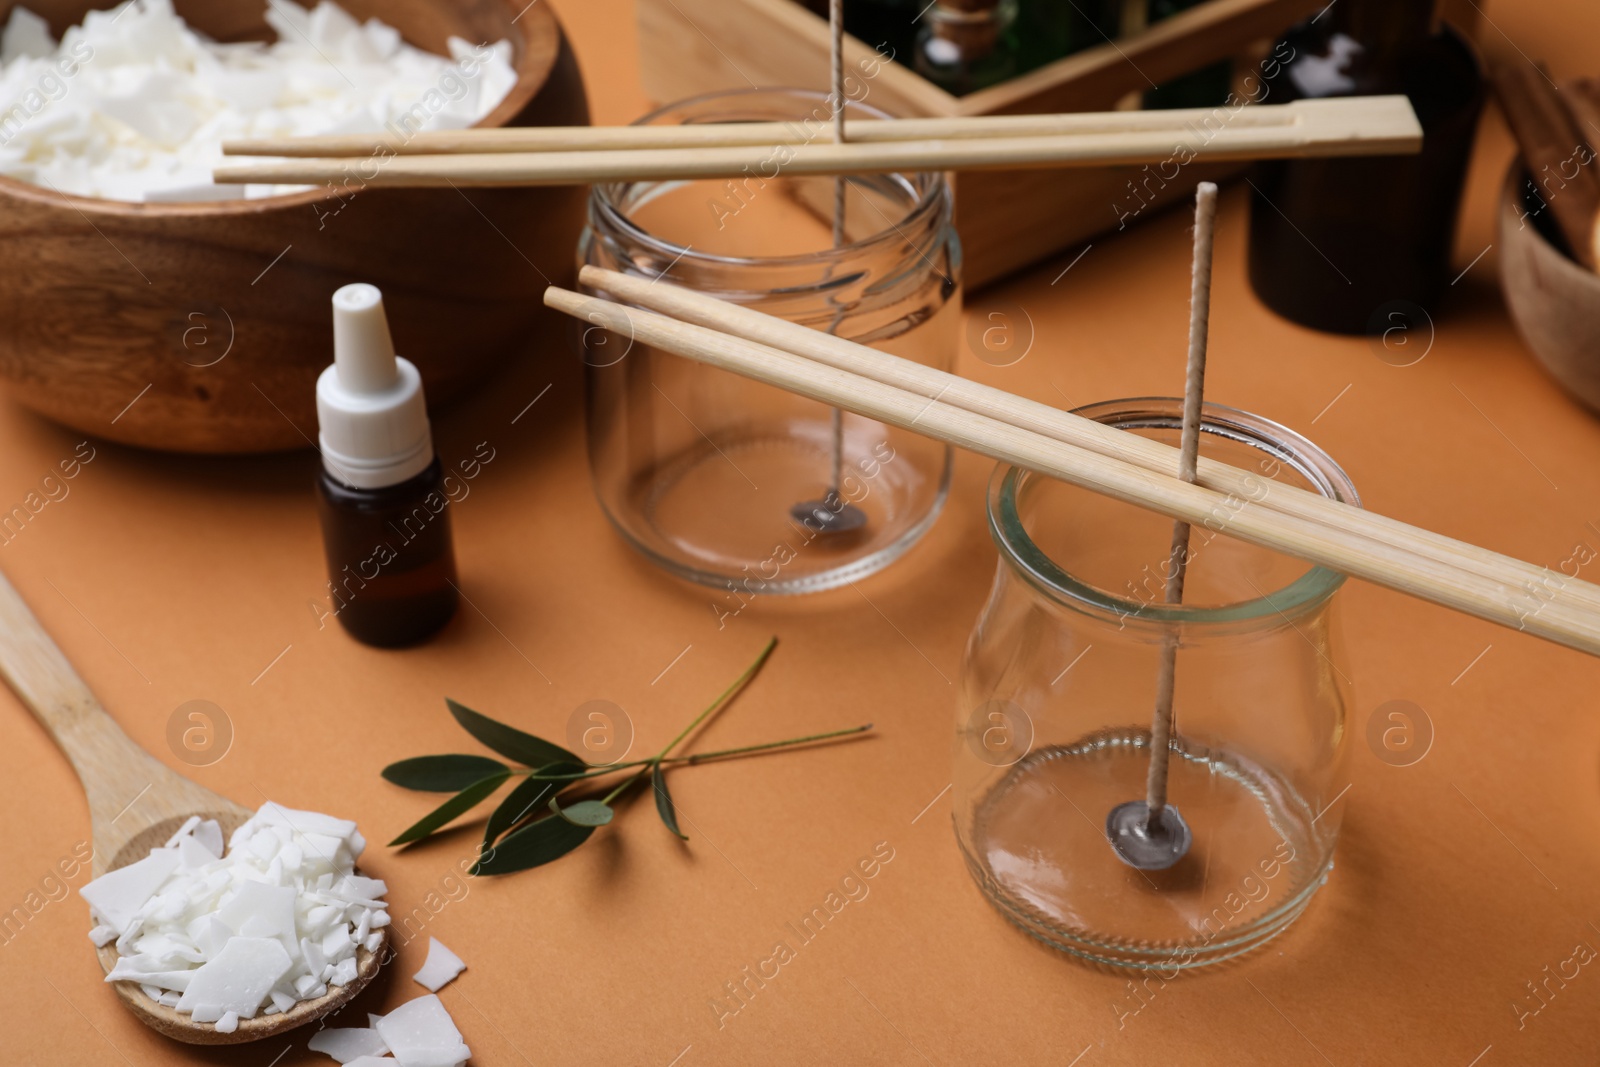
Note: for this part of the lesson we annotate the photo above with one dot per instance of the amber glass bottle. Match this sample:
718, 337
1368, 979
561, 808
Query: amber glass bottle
1337, 243
391, 560
384, 509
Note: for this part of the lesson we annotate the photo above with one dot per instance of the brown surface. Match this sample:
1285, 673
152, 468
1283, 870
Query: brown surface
169, 580
104, 301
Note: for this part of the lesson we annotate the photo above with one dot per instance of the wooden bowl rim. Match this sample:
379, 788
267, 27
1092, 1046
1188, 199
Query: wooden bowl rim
532, 73
1511, 231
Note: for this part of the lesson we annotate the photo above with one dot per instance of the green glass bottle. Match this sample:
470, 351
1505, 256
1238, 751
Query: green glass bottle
966, 45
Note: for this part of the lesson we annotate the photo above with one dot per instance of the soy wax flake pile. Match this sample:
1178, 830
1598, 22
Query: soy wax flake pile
134, 104
278, 919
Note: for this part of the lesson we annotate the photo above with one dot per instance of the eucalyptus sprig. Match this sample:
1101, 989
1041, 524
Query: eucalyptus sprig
553, 809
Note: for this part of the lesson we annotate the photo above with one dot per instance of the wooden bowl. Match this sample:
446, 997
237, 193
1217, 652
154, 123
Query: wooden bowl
203, 327
1554, 301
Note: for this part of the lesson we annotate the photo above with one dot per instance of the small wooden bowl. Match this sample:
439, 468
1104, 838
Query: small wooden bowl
1554, 301
203, 327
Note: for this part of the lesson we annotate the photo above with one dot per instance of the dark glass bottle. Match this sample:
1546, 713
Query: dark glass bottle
385, 517
967, 45
1048, 30
391, 562
890, 26
1338, 244
1207, 87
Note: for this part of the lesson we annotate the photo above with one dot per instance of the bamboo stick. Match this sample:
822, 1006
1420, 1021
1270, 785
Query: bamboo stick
1380, 125
490, 139
1533, 585
1442, 583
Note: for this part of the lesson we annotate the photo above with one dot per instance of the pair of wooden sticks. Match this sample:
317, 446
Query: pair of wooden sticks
1122, 465
1351, 126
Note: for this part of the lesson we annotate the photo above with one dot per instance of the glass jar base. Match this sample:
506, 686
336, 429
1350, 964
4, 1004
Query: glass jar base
766, 472
1234, 891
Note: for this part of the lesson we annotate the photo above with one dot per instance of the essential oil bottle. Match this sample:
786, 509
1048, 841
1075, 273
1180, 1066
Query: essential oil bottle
1337, 244
385, 515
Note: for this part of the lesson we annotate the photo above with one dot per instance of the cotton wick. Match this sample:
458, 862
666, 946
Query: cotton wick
1150, 834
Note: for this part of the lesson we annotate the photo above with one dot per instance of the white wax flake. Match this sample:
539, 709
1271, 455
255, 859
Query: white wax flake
238, 980
348, 1044
440, 968
209, 834
117, 896
183, 831
26, 34
261, 910
134, 105
174, 981
305, 822
228, 1023
191, 853
420, 1033
371, 1061
240, 933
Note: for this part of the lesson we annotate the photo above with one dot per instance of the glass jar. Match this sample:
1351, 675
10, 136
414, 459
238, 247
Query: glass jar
708, 473
1059, 686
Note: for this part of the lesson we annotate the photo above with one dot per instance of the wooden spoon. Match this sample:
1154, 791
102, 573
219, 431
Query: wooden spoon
135, 804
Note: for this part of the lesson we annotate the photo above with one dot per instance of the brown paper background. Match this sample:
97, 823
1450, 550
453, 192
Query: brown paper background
1458, 878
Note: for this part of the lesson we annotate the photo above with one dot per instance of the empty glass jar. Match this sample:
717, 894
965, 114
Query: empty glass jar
1059, 686
710, 474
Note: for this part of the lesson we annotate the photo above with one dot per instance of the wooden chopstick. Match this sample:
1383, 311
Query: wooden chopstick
928, 382
733, 134
1377, 125
1574, 626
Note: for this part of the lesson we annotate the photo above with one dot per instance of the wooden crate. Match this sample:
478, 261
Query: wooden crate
1007, 219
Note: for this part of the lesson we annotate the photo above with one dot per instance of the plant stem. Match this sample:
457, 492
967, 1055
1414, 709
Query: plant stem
698, 757
647, 765
723, 699
701, 757
619, 790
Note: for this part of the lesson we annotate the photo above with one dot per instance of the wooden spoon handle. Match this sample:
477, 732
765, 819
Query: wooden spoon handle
110, 765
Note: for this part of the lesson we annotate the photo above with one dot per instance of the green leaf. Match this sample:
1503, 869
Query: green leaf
527, 797
508, 741
532, 845
442, 774
664, 807
466, 799
584, 813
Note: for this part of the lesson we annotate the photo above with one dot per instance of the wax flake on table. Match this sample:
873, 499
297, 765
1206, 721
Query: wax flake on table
440, 968
420, 1033
352, 1043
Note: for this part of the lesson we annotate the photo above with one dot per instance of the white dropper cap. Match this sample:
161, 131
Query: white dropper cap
373, 423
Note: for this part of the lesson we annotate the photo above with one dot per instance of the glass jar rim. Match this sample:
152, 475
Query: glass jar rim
930, 187
1308, 590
